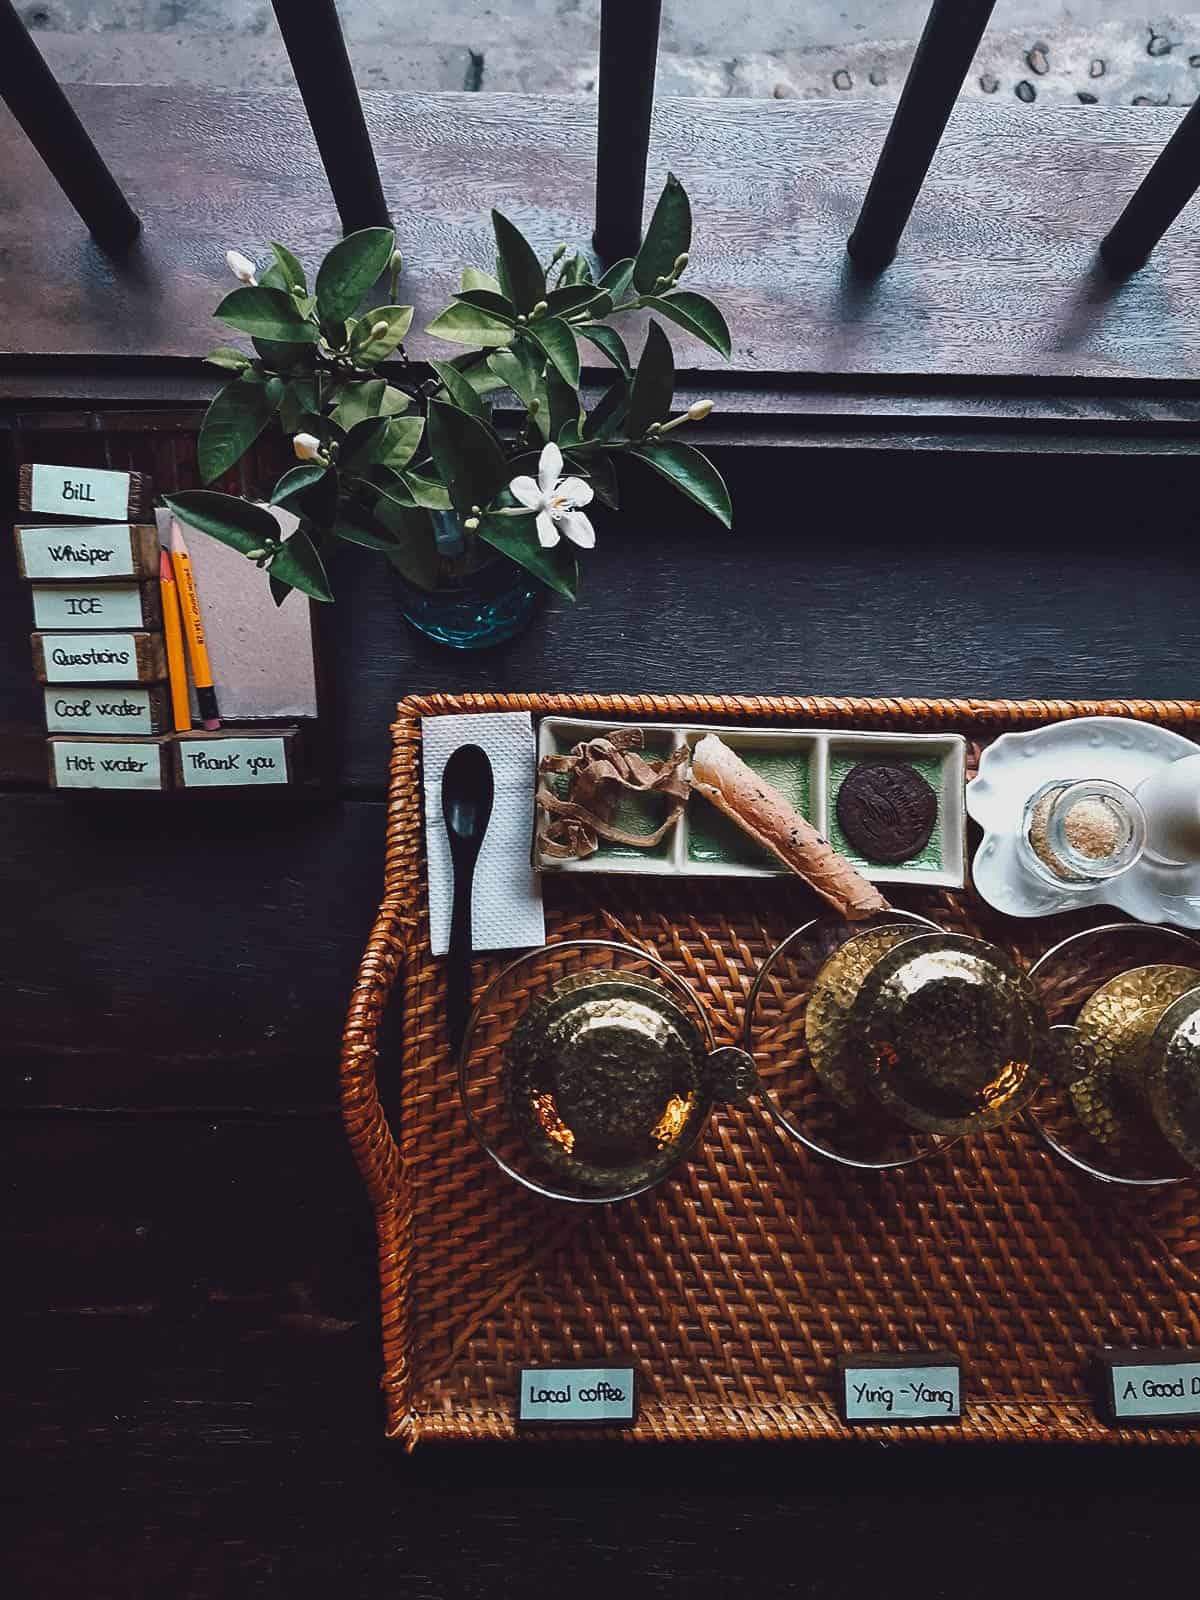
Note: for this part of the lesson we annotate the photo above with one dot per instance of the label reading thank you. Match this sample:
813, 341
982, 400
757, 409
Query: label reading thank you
574, 1395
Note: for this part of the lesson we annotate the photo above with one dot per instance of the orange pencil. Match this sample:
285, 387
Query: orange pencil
181, 706
193, 629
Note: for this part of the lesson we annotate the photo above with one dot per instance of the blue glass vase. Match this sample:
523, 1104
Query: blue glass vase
472, 609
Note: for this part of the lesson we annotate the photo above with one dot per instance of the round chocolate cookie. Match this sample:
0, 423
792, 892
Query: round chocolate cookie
886, 812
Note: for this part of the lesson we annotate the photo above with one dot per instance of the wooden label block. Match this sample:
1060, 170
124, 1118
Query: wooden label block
84, 492
99, 657
108, 763
97, 605
577, 1396
116, 550
1150, 1385
902, 1388
234, 757
128, 711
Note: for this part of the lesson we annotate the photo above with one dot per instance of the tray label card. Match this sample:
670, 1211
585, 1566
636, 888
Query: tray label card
98, 711
901, 1389
117, 605
90, 658
570, 1396
1152, 1385
79, 552
218, 763
95, 764
80, 492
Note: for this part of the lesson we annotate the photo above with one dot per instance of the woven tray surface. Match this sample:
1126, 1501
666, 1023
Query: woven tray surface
735, 1285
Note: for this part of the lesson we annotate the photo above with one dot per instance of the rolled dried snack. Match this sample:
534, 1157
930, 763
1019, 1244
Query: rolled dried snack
761, 811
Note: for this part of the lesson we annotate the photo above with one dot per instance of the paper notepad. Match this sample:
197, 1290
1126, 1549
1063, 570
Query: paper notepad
507, 909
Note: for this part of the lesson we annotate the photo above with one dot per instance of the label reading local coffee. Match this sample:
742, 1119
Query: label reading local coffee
95, 764
217, 763
80, 492
90, 658
900, 1389
117, 605
98, 711
1152, 1385
81, 552
570, 1396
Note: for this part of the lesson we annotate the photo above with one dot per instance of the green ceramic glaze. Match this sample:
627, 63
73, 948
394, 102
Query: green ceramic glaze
930, 768
712, 837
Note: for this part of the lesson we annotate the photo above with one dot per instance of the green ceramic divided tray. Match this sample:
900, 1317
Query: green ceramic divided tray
807, 766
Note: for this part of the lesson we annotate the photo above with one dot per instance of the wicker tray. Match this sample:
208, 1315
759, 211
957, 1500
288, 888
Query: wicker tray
734, 1287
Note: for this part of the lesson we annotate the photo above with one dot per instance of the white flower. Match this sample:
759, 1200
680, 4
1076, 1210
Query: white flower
307, 447
242, 267
556, 500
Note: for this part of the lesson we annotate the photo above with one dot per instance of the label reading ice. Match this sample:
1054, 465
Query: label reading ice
901, 1394
1156, 1385
571, 1395
216, 763
80, 492
117, 605
90, 658
77, 552
98, 711
96, 765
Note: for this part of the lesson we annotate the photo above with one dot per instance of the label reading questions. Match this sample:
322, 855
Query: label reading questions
1151, 1385
90, 658
570, 1396
901, 1389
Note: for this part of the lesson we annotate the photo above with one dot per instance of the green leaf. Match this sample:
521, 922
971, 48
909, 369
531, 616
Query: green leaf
350, 525
234, 420
573, 297
309, 491
290, 269
607, 415
363, 444
575, 270
558, 341
697, 315
563, 402
352, 267
653, 382
299, 564
225, 517
413, 550
368, 348
476, 373
668, 236
459, 390
394, 401
602, 473
474, 278
467, 455
485, 300
517, 538
295, 480
359, 401
617, 279
266, 313
400, 442
299, 401
522, 279
690, 471
610, 343
282, 356
427, 492
228, 358
460, 324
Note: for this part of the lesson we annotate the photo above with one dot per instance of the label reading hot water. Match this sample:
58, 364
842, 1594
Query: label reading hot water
220, 762
1152, 1385
80, 552
117, 605
90, 658
80, 492
98, 711
550, 1396
911, 1392
96, 765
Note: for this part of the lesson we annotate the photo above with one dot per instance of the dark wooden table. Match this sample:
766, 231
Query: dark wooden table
190, 1399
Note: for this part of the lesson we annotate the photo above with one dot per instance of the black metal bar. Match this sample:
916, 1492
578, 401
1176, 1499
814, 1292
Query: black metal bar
312, 36
1157, 201
56, 133
950, 39
628, 57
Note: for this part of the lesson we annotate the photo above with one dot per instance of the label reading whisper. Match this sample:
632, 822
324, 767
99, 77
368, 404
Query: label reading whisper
81, 552
571, 1396
80, 492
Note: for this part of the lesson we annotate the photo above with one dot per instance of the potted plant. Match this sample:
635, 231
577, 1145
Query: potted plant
471, 476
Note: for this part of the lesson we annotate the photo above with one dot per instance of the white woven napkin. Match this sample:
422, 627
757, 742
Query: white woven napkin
507, 909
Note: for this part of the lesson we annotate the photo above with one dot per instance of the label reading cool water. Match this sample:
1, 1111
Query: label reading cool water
569, 1396
95, 764
117, 605
901, 1393
78, 710
80, 492
89, 658
77, 552
216, 763
1153, 1385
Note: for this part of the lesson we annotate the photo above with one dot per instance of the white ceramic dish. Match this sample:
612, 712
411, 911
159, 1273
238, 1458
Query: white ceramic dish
806, 764
1017, 764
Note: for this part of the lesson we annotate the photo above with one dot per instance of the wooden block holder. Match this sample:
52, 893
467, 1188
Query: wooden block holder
149, 663
139, 503
118, 551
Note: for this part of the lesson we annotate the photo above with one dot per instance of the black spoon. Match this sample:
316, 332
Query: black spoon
468, 789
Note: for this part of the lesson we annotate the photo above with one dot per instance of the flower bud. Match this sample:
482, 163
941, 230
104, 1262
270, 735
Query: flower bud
655, 427
681, 261
540, 309
560, 251
476, 511
242, 267
307, 447
379, 329
395, 263
256, 555
521, 317
699, 411
535, 405
471, 524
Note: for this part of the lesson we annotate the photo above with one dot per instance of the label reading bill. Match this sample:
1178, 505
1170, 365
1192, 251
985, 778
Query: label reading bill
911, 1393
96, 765
78, 710
76, 553
568, 1396
79, 492
117, 605
218, 763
